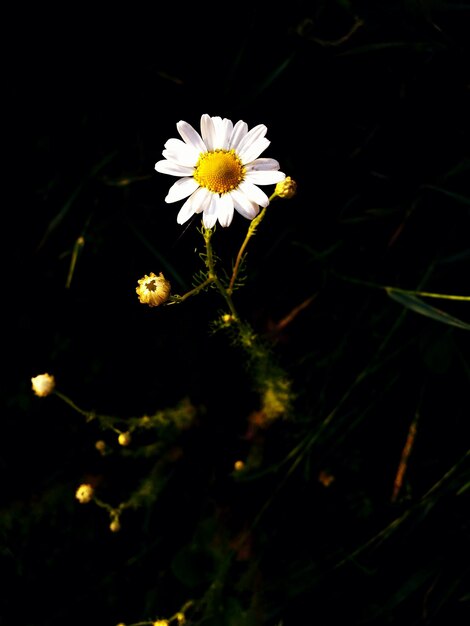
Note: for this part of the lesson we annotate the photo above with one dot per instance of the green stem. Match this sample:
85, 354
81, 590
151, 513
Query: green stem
251, 231
106, 421
87, 414
193, 292
210, 263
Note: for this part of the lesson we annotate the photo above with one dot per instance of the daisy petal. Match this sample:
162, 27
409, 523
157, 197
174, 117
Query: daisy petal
209, 217
264, 177
255, 133
223, 131
177, 150
225, 210
253, 150
238, 133
208, 131
254, 193
183, 188
243, 205
201, 199
262, 164
172, 168
191, 136
186, 211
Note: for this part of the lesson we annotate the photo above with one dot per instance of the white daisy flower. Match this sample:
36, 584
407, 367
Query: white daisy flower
219, 170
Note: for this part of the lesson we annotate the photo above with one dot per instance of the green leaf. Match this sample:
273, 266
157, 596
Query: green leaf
418, 306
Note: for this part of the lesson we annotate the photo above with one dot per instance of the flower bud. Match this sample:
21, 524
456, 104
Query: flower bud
153, 290
43, 385
84, 493
286, 188
100, 445
124, 439
115, 525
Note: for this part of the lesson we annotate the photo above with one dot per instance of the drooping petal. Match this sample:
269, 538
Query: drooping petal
209, 217
186, 211
243, 205
262, 164
225, 210
191, 136
172, 168
181, 189
254, 193
238, 133
177, 150
268, 177
252, 151
201, 199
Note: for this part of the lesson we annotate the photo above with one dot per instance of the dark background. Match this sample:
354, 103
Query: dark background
372, 122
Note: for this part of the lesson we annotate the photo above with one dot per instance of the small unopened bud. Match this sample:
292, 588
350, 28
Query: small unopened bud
115, 525
84, 493
227, 319
100, 445
286, 188
238, 466
43, 385
153, 290
161, 622
124, 439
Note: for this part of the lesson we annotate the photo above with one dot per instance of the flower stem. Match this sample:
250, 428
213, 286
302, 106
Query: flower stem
106, 421
87, 414
251, 231
210, 264
193, 292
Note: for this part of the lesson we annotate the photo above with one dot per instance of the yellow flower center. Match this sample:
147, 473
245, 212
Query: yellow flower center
219, 171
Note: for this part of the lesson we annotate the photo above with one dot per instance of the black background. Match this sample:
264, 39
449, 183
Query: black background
373, 125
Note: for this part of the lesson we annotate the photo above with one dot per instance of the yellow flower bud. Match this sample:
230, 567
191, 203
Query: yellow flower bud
124, 439
286, 188
227, 319
84, 493
115, 525
43, 385
100, 445
238, 466
153, 290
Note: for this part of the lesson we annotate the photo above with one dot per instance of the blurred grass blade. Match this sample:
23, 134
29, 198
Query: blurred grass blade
80, 242
418, 306
66, 208
450, 194
274, 75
